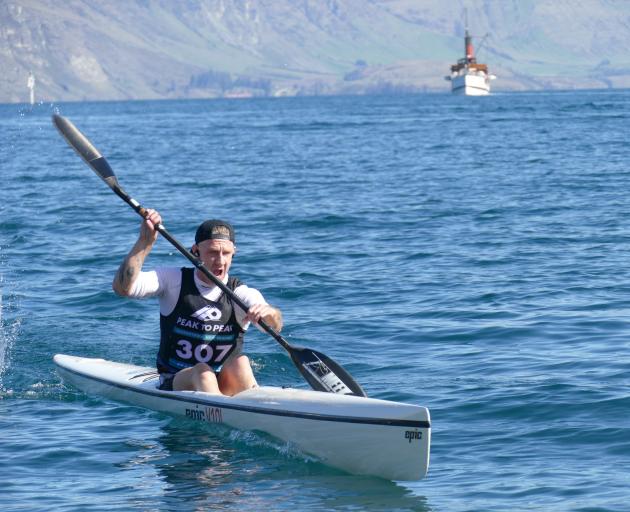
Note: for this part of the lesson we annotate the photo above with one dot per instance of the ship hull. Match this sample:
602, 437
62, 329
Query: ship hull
470, 84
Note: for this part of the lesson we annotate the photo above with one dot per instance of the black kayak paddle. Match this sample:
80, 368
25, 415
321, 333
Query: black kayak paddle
321, 372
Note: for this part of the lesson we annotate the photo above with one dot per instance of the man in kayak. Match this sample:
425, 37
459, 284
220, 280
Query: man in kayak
201, 329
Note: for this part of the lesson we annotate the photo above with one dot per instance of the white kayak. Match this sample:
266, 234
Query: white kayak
360, 435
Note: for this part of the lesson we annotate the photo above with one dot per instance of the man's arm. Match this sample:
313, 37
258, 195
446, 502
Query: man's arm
131, 266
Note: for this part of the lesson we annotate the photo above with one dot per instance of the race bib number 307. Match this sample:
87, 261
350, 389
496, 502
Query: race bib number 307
203, 353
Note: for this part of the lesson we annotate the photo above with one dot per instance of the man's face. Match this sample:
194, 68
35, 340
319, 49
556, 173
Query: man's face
216, 256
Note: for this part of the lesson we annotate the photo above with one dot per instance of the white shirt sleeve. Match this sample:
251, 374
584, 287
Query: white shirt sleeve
163, 282
147, 284
249, 296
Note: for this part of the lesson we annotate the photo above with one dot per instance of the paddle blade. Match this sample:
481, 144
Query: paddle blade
324, 374
85, 150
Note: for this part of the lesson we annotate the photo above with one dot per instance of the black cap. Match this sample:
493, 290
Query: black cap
214, 229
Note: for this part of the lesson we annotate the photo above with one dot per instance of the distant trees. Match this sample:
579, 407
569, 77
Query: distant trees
225, 82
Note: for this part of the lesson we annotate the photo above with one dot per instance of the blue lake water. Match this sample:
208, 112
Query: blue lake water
466, 254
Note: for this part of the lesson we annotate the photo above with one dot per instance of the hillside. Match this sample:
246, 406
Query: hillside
115, 49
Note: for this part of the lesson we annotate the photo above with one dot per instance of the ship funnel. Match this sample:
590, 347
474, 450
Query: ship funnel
470, 53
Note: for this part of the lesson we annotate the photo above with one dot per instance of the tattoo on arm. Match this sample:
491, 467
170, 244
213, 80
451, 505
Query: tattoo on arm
131, 266
128, 272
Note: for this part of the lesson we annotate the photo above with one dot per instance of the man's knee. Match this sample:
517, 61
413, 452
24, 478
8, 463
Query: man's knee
237, 376
242, 361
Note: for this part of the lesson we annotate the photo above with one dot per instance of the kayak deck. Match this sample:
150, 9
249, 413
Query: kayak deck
357, 434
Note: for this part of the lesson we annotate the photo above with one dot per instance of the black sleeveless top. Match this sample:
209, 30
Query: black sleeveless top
199, 330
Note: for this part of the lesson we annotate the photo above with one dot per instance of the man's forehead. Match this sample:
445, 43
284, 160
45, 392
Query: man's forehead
217, 244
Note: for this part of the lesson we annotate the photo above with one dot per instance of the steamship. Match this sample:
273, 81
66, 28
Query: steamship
468, 77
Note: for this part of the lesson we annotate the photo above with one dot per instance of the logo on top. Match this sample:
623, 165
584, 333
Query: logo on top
221, 231
207, 313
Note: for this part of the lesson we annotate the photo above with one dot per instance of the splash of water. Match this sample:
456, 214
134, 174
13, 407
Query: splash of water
8, 334
287, 449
